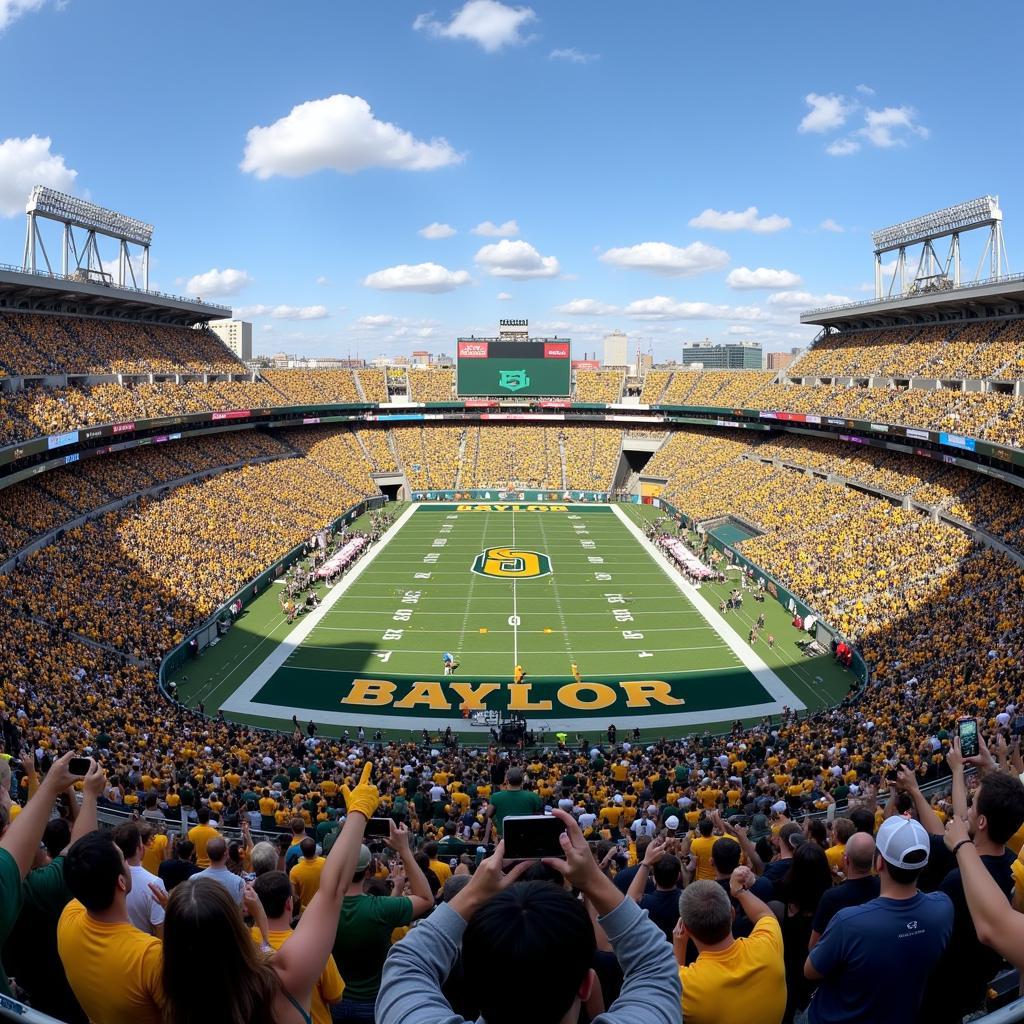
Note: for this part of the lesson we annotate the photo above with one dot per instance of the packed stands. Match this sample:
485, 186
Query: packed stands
591, 457
599, 385
655, 382
717, 387
375, 444
313, 387
434, 385
374, 384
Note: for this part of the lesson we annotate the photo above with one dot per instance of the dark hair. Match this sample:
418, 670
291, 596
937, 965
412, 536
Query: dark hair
725, 855
273, 889
817, 832
128, 837
666, 872
204, 926
1000, 798
185, 849
203, 815
430, 850
705, 827
863, 820
904, 876
527, 928
308, 847
91, 869
808, 878
56, 835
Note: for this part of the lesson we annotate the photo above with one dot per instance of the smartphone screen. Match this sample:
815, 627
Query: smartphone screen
377, 828
968, 731
79, 765
530, 837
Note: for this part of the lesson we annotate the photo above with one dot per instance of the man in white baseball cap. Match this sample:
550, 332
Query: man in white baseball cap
874, 960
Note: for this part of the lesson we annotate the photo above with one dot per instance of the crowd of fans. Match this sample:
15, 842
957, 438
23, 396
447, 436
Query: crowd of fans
434, 385
599, 385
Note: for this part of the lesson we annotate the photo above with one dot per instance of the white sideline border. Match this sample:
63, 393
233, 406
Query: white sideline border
241, 701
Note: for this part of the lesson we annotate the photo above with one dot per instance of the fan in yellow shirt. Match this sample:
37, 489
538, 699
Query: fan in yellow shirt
201, 834
305, 875
732, 981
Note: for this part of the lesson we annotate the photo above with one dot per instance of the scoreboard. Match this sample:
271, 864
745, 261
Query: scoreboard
488, 368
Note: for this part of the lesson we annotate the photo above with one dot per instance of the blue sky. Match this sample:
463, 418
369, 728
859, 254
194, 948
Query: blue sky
291, 156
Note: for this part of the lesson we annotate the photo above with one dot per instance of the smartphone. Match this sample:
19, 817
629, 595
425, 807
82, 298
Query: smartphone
967, 729
532, 836
377, 828
622, 844
79, 765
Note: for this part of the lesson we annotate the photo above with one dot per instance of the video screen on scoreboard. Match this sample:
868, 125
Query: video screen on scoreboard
513, 368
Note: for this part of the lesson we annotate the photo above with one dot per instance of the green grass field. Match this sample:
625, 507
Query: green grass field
570, 584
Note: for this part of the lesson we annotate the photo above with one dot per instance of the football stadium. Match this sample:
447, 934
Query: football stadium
332, 684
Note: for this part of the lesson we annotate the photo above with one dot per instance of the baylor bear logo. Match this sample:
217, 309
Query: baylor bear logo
511, 564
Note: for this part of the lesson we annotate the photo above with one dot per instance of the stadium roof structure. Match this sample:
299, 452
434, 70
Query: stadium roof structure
43, 292
993, 297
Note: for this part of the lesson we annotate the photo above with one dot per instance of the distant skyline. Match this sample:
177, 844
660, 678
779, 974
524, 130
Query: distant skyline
370, 179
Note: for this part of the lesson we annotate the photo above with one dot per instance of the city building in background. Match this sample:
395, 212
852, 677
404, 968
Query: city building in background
236, 334
616, 349
741, 355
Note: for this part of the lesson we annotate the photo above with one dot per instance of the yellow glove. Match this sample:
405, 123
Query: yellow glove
364, 799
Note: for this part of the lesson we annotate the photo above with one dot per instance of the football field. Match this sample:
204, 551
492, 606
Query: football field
545, 587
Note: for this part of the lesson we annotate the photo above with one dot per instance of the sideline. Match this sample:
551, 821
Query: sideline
760, 671
241, 700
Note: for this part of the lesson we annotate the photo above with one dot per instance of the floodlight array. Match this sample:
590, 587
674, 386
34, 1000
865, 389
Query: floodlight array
981, 212
48, 202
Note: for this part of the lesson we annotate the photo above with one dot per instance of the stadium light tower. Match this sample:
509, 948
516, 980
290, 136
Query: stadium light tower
932, 273
83, 258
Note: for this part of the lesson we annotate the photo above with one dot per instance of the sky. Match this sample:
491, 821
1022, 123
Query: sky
369, 178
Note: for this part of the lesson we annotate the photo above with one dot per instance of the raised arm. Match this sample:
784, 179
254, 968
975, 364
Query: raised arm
925, 812
419, 888
94, 783
302, 959
998, 925
652, 855
753, 906
22, 838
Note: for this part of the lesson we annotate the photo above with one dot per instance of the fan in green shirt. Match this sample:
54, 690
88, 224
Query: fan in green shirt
514, 800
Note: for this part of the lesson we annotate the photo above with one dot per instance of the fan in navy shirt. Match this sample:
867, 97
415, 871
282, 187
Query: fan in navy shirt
860, 885
874, 960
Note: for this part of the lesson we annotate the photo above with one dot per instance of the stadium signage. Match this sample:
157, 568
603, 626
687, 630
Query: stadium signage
60, 440
556, 350
472, 349
512, 508
469, 697
231, 414
122, 428
513, 323
921, 435
957, 441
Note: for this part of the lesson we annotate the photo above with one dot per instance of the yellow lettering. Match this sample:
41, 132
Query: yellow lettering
559, 508
431, 694
370, 692
473, 697
463, 508
569, 695
535, 508
482, 508
640, 693
520, 699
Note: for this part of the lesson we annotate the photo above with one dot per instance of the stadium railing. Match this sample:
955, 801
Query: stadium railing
11, 1009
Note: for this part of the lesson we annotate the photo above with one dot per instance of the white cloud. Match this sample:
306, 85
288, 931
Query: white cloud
28, 162
806, 300
504, 296
376, 320
662, 258
865, 90
828, 224
661, 307
516, 259
489, 229
283, 312
218, 282
743, 330
436, 230
586, 307
745, 220
890, 126
573, 55
323, 281
488, 23
826, 113
763, 277
11, 10
419, 277
338, 133
842, 147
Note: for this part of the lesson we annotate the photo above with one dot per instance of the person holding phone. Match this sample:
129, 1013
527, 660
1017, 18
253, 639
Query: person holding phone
531, 930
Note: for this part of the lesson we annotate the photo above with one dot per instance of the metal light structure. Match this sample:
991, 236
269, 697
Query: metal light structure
80, 258
933, 274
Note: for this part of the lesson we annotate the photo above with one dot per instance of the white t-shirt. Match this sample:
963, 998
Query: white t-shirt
143, 910
587, 819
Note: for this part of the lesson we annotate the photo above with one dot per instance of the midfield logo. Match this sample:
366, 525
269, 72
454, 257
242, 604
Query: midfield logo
511, 564
513, 380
